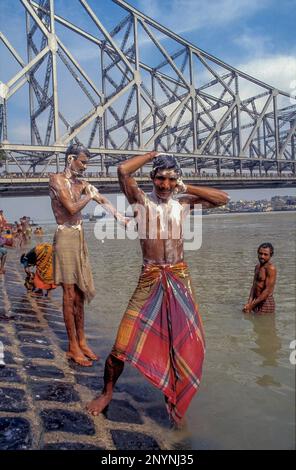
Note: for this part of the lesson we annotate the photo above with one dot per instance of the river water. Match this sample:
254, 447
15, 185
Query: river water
247, 395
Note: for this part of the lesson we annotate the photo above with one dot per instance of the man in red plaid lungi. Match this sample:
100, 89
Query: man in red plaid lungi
161, 332
261, 299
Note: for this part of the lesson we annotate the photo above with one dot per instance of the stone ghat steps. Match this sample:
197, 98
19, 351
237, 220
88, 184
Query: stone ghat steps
43, 395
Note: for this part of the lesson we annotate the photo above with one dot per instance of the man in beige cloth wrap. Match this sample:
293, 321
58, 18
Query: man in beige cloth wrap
69, 195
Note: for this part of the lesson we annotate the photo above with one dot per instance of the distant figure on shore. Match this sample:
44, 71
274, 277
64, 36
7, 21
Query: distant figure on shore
3, 252
38, 232
3, 221
161, 333
42, 279
26, 228
261, 299
69, 195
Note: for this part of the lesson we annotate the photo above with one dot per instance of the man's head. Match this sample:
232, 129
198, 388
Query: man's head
265, 252
77, 157
164, 174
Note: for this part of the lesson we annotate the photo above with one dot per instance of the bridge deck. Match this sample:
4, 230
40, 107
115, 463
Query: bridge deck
38, 186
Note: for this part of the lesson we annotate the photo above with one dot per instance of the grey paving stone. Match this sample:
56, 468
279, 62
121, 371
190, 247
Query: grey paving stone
26, 318
12, 399
71, 446
64, 345
33, 339
7, 374
37, 370
40, 353
9, 358
13, 290
142, 391
51, 310
15, 434
6, 317
27, 310
55, 318
60, 392
67, 421
127, 440
58, 329
26, 327
5, 340
92, 382
121, 411
159, 414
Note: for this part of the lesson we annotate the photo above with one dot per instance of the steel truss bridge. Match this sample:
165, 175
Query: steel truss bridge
129, 88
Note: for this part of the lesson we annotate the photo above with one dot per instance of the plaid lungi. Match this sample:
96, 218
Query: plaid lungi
161, 334
265, 307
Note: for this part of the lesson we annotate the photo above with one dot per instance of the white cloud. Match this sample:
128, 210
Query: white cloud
190, 15
254, 45
278, 71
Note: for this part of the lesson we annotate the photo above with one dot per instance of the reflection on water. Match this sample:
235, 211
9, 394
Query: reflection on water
268, 345
267, 341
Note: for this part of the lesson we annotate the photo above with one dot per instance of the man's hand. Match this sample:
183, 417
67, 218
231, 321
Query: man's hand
124, 221
248, 308
154, 154
181, 186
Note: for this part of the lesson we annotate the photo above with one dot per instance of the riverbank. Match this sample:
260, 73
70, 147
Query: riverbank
43, 396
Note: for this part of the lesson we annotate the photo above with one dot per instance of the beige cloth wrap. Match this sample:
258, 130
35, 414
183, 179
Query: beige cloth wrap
70, 259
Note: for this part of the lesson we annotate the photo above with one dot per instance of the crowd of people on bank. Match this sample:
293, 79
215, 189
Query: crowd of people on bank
37, 262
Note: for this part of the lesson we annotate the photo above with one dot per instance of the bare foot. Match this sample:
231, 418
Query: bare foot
88, 352
79, 359
99, 404
179, 425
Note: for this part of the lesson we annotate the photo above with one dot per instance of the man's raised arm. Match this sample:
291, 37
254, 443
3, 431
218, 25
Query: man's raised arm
127, 182
207, 197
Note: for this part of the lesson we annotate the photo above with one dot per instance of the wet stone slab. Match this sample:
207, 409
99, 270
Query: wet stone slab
61, 333
142, 391
12, 399
40, 353
5, 340
71, 446
32, 339
121, 411
37, 370
15, 434
6, 317
90, 381
26, 327
15, 289
67, 421
127, 440
60, 392
25, 310
7, 374
159, 414
54, 319
64, 345
26, 318
8, 357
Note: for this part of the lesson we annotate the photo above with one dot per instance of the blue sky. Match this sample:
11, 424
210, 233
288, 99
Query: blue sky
244, 33
257, 37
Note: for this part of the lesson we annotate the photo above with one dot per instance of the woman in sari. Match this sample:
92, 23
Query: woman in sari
41, 257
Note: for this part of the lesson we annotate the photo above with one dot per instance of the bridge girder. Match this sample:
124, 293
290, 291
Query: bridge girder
179, 99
